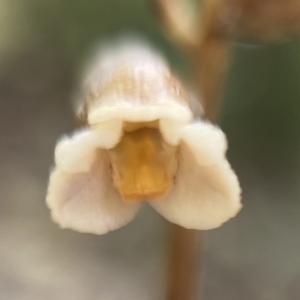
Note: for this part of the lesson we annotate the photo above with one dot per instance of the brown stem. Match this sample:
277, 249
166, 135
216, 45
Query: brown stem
205, 45
209, 65
209, 68
203, 39
210, 58
184, 261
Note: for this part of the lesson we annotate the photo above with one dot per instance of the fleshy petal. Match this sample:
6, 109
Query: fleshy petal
171, 130
88, 202
204, 197
77, 153
207, 142
132, 82
109, 133
126, 109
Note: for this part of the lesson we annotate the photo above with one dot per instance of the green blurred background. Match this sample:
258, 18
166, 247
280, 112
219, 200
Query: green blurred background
256, 256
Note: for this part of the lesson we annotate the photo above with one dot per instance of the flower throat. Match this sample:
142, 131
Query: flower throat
143, 165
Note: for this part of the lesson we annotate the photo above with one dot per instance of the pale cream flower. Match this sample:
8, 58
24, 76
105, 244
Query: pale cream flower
141, 142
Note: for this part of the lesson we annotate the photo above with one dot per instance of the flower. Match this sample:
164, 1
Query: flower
142, 143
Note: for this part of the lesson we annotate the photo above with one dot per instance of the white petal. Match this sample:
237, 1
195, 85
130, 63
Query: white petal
111, 54
207, 142
171, 130
88, 202
203, 197
77, 153
109, 133
119, 107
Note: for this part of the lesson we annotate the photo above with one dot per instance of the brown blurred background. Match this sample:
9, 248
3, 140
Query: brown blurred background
256, 256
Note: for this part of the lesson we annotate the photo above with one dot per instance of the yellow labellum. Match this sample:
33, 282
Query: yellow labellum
143, 165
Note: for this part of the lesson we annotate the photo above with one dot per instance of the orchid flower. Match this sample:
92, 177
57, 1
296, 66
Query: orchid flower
142, 143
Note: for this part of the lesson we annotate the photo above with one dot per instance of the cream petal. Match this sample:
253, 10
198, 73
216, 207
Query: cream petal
207, 142
171, 130
203, 197
109, 133
134, 83
77, 153
117, 107
88, 202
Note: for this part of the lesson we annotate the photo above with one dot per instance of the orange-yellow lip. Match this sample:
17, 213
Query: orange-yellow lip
143, 165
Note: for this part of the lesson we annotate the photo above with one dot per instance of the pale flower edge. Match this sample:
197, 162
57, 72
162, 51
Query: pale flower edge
204, 196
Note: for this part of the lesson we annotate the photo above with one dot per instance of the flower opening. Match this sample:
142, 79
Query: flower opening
141, 144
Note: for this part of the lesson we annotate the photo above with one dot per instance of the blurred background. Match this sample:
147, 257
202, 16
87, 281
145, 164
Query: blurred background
256, 256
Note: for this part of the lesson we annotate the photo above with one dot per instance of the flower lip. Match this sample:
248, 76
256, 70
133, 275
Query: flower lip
143, 166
